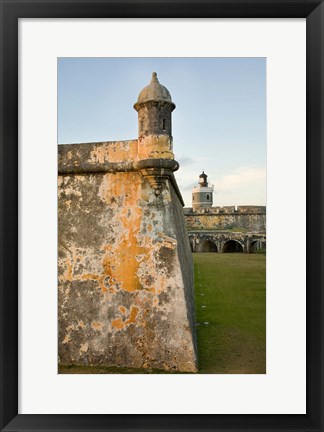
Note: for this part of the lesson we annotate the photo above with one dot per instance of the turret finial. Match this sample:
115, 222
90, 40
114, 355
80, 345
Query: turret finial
154, 78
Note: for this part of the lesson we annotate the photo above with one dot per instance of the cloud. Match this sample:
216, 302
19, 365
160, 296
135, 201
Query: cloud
188, 187
242, 178
185, 161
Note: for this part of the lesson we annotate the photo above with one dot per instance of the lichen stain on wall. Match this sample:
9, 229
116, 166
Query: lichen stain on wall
118, 151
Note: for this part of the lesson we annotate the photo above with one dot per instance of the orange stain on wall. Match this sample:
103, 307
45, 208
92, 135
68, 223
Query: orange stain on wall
133, 315
96, 325
124, 251
118, 323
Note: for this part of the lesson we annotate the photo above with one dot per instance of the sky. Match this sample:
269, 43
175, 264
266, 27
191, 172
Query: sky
219, 124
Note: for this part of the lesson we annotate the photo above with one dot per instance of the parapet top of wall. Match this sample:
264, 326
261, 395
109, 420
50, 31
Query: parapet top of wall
97, 157
110, 156
251, 209
226, 210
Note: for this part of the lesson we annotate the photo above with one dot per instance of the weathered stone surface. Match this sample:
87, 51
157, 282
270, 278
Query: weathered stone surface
250, 218
125, 267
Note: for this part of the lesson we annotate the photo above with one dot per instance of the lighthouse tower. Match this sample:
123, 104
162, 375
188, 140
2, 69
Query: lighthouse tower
202, 195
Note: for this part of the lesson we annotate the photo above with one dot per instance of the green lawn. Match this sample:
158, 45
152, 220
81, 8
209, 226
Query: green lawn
231, 316
231, 298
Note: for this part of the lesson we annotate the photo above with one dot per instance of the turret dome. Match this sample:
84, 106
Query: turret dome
154, 92
154, 107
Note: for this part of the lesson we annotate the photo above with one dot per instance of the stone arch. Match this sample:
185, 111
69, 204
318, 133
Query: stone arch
257, 245
231, 246
207, 245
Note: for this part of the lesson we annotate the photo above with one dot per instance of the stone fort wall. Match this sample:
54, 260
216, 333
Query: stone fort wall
124, 263
246, 218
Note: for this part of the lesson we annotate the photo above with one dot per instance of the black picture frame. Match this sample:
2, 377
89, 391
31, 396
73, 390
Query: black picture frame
11, 11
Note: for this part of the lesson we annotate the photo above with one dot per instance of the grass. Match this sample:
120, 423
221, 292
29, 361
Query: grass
231, 298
